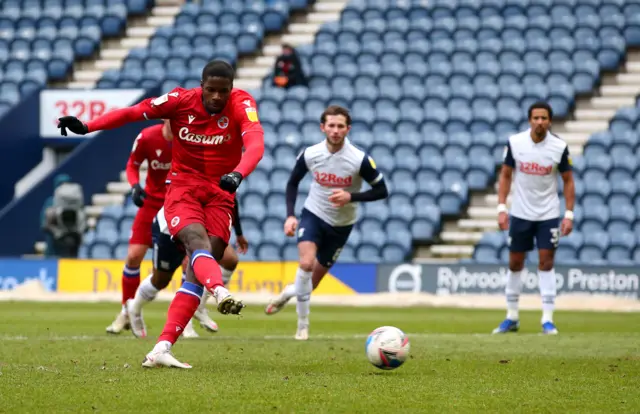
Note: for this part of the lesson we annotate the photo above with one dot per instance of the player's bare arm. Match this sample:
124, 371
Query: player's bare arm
297, 174
570, 198
242, 243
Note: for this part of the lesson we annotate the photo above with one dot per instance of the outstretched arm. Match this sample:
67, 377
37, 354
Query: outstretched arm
153, 108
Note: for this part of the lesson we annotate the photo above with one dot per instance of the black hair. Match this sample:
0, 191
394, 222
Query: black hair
218, 69
540, 105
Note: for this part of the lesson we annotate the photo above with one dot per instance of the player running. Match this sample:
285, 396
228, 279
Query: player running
167, 257
211, 124
154, 145
533, 159
329, 212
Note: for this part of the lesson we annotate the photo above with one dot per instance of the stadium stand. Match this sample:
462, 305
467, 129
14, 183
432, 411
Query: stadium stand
434, 90
39, 41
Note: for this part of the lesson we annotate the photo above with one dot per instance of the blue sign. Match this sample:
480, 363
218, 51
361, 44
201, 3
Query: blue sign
360, 277
15, 272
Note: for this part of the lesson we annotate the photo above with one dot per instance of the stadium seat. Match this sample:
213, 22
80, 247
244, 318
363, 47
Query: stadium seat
433, 89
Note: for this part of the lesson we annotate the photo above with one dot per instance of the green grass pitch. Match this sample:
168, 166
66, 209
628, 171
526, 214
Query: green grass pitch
56, 357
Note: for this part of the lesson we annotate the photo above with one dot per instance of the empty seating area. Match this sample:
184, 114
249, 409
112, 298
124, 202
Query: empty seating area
40, 39
202, 31
607, 214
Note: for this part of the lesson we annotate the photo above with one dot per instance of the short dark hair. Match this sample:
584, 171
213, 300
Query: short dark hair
540, 105
218, 69
335, 110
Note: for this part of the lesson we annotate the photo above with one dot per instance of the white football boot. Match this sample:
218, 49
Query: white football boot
138, 327
202, 316
161, 356
120, 323
302, 334
189, 332
277, 304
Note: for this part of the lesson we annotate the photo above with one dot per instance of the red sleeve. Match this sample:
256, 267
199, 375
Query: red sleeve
252, 134
135, 160
162, 107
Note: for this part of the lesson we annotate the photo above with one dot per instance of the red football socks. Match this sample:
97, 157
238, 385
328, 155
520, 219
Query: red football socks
182, 308
130, 283
206, 269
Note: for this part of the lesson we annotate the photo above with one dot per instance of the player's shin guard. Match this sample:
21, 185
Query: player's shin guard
547, 281
146, 293
206, 269
303, 287
512, 291
181, 310
130, 282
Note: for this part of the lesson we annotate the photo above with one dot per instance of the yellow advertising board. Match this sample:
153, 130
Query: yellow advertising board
80, 276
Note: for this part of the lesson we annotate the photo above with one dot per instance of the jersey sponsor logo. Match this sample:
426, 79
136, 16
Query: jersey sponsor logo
332, 180
157, 165
252, 114
185, 135
223, 122
533, 168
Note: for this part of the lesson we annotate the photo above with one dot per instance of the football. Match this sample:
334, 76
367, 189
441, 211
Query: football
387, 347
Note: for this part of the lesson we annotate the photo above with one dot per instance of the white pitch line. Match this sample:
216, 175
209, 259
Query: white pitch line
213, 337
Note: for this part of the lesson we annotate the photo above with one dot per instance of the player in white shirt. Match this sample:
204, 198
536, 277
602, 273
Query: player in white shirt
532, 161
329, 212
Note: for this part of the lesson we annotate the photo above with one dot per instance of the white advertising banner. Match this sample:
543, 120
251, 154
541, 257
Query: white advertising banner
83, 104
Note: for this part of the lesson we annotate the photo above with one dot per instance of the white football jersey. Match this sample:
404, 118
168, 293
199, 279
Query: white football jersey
345, 170
535, 175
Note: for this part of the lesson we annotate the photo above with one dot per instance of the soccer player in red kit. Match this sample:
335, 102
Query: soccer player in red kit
210, 124
154, 145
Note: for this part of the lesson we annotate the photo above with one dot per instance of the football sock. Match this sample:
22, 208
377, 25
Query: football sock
181, 310
303, 288
512, 291
145, 294
203, 300
130, 282
547, 281
226, 275
288, 292
206, 269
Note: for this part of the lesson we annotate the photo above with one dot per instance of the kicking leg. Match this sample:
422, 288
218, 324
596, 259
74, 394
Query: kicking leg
228, 265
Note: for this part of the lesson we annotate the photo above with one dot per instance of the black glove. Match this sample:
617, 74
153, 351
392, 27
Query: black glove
74, 124
138, 195
230, 182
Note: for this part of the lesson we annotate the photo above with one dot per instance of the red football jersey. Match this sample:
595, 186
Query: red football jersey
206, 145
151, 145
